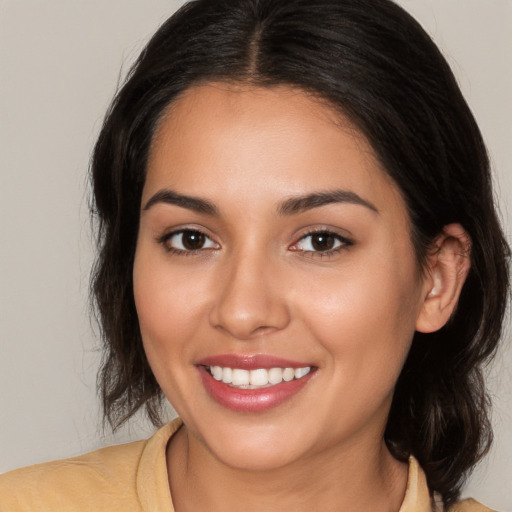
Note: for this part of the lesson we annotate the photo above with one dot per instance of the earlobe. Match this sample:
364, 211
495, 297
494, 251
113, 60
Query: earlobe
447, 267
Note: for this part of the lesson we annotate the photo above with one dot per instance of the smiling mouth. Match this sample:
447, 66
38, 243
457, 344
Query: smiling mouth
258, 378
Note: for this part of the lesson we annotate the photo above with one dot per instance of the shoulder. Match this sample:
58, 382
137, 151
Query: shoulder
103, 479
124, 478
418, 496
469, 505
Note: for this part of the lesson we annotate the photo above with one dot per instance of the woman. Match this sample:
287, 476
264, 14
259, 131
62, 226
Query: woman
299, 249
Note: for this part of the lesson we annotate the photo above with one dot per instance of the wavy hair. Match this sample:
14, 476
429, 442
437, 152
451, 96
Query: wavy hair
370, 60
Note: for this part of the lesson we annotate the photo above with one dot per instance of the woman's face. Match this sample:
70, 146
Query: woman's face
275, 280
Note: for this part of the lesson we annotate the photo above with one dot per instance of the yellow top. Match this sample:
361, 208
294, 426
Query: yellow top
133, 478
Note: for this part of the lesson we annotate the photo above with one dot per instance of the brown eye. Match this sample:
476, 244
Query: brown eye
188, 240
192, 240
321, 241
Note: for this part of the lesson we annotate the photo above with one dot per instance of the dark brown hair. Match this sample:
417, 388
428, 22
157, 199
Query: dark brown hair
372, 61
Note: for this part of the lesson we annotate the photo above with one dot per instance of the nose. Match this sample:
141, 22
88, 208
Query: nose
251, 299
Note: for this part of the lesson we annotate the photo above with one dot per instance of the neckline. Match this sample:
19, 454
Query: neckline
153, 483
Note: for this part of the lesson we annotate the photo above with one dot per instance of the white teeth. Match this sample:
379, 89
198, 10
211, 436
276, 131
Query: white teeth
216, 372
288, 374
300, 372
275, 375
227, 375
239, 377
261, 377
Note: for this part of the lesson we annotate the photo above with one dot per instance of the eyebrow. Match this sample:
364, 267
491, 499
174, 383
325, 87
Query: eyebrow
301, 204
191, 203
291, 206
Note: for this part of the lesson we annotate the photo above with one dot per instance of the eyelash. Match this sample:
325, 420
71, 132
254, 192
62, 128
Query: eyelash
165, 240
343, 243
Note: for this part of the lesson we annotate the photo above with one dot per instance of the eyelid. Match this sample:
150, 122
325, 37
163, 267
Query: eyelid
345, 242
168, 235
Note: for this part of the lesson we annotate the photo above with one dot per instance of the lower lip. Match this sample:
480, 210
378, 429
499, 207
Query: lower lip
251, 400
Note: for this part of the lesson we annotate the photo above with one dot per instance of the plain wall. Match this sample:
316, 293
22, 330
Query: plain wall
60, 62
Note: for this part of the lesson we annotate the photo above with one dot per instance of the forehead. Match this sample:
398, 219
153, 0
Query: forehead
224, 140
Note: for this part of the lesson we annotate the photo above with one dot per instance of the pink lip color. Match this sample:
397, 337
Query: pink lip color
251, 400
252, 362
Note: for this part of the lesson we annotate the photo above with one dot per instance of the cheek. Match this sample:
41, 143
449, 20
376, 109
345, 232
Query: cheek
365, 319
167, 306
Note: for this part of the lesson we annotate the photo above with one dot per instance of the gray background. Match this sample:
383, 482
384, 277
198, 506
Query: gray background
60, 62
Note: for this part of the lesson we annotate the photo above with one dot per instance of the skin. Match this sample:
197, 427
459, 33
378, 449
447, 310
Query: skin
257, 286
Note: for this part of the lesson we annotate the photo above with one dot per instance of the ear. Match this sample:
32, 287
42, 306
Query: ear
447, 266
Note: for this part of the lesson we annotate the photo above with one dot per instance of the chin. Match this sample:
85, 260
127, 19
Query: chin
256, 458
254, 448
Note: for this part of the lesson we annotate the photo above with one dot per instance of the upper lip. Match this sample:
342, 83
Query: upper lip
250, 362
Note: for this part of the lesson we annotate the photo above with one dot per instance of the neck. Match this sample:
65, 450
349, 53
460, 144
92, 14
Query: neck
335, 480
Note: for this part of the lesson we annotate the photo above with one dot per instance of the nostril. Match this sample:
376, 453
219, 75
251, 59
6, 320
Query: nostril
242, 331
263, 330
246, 304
